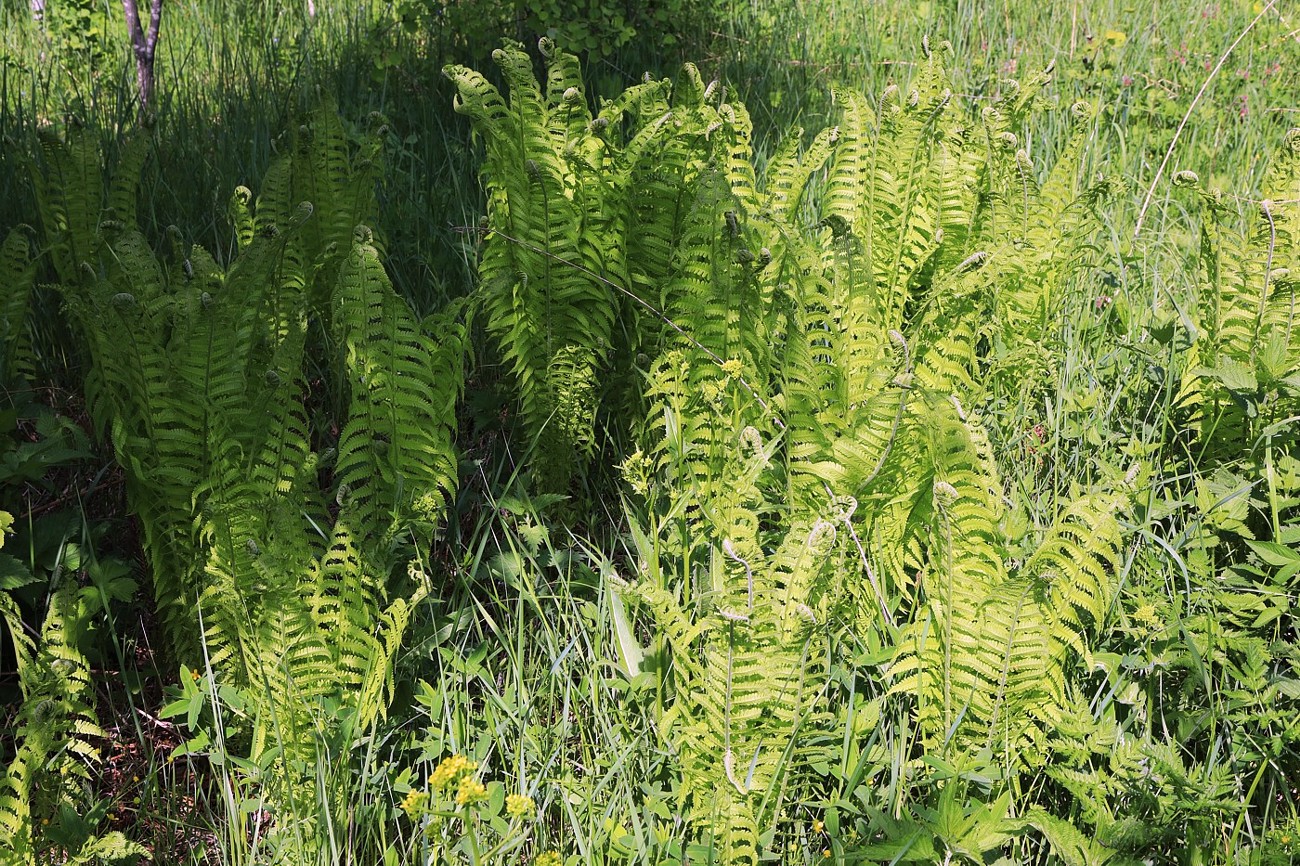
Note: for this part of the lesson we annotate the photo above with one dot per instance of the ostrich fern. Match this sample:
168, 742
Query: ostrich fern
57, 738
1240, 375
815, 336
558, 230
18, 275
198, 373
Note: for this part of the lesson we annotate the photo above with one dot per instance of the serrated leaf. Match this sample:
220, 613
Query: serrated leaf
13, 573
1274, 554
1235, 376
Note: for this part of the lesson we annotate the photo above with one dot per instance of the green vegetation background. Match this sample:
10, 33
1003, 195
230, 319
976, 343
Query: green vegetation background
506, 659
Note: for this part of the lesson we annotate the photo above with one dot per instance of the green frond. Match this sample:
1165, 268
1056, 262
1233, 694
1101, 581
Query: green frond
740, 153
379, 686
851, 164
558, 223
946, 661
1244, 341
396, 460
56, 735
69, 191
124, 182
17, 276
1074, 565
344, 608
275, 199
715, 295
689, 89
240, 212
786, 180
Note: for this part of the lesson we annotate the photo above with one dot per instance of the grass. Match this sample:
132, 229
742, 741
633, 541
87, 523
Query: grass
513, 661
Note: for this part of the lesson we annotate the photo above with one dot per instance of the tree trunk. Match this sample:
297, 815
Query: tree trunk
144, 42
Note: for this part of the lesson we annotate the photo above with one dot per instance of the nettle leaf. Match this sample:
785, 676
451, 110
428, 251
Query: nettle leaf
1234, 375
14, 574
1274, 554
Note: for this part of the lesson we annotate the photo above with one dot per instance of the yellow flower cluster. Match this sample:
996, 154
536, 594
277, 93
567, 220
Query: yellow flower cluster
637, 469
414, 802
469, 791
517, 805
450, 770
1146, 614
550, 858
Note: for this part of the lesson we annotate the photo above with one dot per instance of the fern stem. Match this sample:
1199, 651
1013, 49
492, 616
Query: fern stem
847, 519
1266, 207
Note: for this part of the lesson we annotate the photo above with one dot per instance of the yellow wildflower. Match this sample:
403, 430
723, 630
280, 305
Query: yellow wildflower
413, 803
1146, 614
517, 805
637, 469
550, 858
450, 770
470, 791
818, 826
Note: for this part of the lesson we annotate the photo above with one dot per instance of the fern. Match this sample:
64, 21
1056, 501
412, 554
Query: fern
70, 197
747, 650
57, 736
18, 275
556, 236
1239, 373
814, 341
199, 377
395, 461
989, 655
589, 227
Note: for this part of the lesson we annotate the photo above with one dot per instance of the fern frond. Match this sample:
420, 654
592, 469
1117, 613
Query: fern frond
124, 183
57, 735
70, 196
786, 180
396, 460
344, 607
17, 275
559, 229
960, 670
